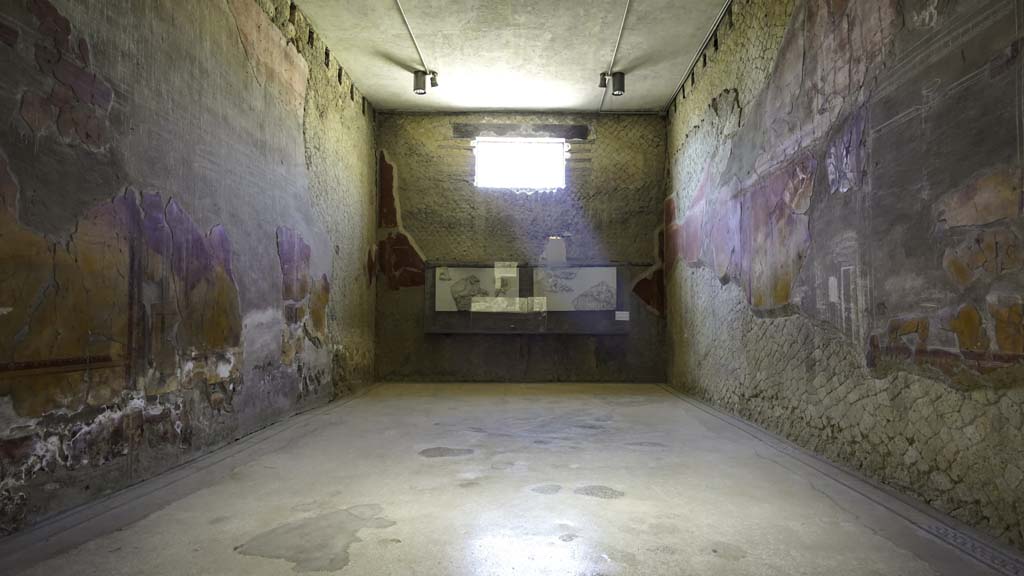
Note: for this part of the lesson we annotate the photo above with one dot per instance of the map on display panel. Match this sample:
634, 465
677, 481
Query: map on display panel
455, 288
576, 289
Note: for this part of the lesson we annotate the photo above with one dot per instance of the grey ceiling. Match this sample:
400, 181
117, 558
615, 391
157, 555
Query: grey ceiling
514, 54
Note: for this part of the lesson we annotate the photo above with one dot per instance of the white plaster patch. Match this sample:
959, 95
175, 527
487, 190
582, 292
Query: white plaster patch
4, 310
928, 17
186, 370
224, 366
46, 452
137, 403
261, 336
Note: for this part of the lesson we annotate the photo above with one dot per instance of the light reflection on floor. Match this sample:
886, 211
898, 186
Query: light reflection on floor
504, 553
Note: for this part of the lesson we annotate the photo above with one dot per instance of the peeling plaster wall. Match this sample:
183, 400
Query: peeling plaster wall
340, 160
186, 208
843, 240
430, 211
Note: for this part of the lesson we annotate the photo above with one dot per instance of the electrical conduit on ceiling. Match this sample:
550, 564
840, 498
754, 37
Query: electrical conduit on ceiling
615, 53
416, 44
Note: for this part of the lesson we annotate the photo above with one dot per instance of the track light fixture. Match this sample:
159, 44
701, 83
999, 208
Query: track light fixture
419, 81
618, 84
618, 78
419, 77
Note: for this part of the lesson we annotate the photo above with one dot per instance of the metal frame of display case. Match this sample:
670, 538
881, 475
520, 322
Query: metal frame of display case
603, 322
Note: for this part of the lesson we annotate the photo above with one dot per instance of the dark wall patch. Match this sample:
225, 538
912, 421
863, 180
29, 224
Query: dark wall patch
8, 34
388, 210
567, 131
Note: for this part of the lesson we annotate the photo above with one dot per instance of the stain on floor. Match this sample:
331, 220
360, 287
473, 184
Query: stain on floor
598, 491
663, 528
311, 506
547, 489
445, 452
646, 444
317, 543
728, 551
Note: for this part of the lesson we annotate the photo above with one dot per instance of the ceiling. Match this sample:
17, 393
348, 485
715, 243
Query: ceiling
515, 54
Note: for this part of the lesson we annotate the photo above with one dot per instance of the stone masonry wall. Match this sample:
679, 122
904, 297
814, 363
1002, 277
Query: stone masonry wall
186, 210
432, 212
843, 240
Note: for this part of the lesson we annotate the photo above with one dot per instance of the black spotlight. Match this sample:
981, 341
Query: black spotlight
419, 82
433, 79
618, 84
604, 80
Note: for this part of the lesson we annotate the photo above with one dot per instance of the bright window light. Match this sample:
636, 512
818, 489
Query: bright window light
520, 163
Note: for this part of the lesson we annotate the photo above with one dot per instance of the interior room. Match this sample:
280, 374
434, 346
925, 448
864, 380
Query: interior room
495, 287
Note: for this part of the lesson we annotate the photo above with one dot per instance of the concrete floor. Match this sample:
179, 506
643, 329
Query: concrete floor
501, 480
